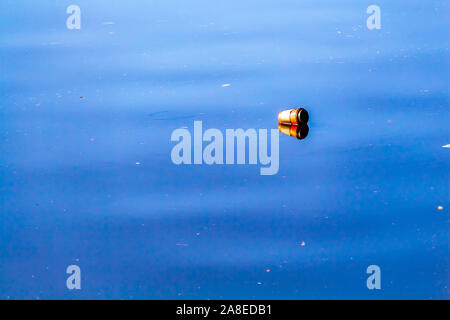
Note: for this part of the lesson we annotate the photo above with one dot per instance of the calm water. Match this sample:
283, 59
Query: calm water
86, 176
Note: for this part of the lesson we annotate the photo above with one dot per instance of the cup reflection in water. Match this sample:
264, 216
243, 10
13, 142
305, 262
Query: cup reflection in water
300, 132
293, 116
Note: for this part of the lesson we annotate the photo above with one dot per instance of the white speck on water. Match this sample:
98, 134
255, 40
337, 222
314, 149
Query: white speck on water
446, 146
226, 85
182, 244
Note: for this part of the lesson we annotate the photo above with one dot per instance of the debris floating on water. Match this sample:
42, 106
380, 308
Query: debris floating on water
293, 122
446, 146
293, 116
440, 208
226, 85
182, 244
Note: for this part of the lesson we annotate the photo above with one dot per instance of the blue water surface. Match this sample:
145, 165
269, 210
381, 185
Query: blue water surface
86, 176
